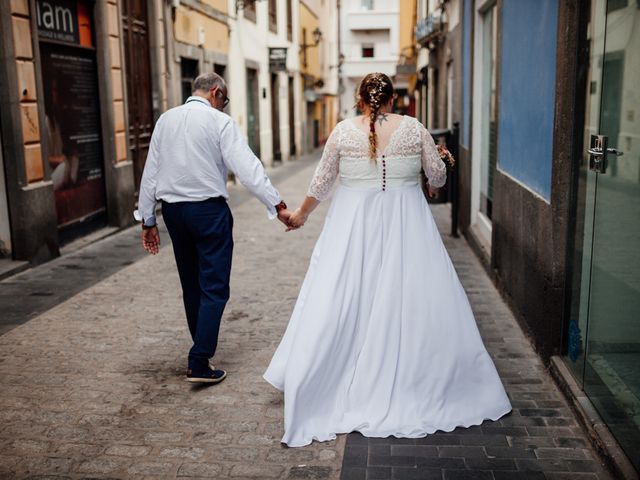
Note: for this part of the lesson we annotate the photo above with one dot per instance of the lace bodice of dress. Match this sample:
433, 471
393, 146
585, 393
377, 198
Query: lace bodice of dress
346, 153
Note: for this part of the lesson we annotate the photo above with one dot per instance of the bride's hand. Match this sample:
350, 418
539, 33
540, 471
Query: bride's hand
432, 191
297, 219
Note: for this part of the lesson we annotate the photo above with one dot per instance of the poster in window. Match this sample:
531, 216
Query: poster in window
72, 117
72, 111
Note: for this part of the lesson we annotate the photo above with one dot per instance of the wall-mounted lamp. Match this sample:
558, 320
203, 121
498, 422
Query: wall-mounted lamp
317, 37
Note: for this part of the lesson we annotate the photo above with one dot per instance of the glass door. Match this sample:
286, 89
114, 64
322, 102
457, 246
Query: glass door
603, 346
489, 109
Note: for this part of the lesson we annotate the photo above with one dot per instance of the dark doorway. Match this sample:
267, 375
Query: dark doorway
292, 130
188, 72
253, 111
138, 78
222, 70
275, 116
219, 69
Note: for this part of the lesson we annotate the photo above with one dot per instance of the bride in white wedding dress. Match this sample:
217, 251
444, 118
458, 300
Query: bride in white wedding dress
382, 339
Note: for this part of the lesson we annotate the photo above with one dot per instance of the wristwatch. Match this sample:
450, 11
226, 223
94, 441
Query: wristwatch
139, 218
281, 206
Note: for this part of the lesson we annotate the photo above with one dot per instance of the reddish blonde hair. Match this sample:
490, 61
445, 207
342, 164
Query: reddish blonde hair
374, 91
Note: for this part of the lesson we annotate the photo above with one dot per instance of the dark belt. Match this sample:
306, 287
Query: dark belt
216, 200
207, 200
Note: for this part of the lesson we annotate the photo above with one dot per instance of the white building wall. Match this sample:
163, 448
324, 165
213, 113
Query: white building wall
249, 45
378, 27
329, 49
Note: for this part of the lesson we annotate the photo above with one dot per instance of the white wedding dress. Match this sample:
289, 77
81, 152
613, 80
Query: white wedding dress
382, 339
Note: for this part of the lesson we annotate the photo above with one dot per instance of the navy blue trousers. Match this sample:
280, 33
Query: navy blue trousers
202, 238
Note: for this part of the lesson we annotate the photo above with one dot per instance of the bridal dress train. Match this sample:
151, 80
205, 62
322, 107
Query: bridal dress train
382, 339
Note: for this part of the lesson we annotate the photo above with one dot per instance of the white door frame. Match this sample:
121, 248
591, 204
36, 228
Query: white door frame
480, 223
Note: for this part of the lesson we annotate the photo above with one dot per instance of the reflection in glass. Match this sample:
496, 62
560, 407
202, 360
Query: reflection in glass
603, 344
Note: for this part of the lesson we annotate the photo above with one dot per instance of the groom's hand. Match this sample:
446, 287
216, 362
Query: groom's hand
297, 219
151, 240
283, 216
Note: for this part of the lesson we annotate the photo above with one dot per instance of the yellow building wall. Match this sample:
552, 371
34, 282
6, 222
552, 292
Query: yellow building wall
309, 22
331, 109
23, 56
408, 18
117, 77
187, 27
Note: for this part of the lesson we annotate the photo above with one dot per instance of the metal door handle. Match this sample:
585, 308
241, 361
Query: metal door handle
615, 151
597, 152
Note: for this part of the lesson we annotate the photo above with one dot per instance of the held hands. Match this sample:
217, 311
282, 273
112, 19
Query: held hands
283, 216
151, 240
297, 219
292, 220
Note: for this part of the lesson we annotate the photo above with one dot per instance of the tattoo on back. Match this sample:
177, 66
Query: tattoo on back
382, 117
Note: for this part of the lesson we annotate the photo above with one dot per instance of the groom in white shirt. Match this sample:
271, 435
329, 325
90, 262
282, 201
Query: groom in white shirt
192, 148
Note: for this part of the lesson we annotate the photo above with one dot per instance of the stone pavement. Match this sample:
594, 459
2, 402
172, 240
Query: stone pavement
35, 291
94, 387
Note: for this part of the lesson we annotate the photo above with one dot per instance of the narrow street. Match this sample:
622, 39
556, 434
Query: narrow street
94, 387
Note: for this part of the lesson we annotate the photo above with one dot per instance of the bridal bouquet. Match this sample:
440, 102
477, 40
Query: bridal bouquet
446, 156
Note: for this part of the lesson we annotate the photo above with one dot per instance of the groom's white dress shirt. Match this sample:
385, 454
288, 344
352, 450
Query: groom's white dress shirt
192, 148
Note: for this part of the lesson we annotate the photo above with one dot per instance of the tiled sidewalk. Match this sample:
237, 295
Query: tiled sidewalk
539, 439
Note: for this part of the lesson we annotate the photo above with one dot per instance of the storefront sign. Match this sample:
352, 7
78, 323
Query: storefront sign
278, 59
65, 21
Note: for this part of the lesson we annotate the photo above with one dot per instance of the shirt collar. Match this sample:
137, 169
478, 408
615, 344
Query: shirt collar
196, 98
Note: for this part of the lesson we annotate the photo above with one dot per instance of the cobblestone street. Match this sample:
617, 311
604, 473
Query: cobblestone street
94, 387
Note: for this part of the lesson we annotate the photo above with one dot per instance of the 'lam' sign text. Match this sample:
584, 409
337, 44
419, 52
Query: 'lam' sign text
57, 20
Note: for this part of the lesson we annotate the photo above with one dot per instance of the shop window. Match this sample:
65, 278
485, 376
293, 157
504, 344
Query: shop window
72, 122
368, 51
188, 73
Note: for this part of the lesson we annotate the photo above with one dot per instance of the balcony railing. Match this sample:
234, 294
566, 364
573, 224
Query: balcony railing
429, 28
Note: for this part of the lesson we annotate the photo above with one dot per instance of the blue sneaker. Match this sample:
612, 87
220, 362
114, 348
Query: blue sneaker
206, 376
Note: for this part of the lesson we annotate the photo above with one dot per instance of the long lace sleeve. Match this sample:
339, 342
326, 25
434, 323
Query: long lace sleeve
327, 169
434, 168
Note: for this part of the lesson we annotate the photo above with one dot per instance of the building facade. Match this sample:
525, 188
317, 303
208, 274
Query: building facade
318, 55
437, 34
545, 93
62, 113
83, 83
369, 42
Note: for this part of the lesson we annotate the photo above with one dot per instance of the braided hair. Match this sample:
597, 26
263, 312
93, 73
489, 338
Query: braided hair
375, 91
